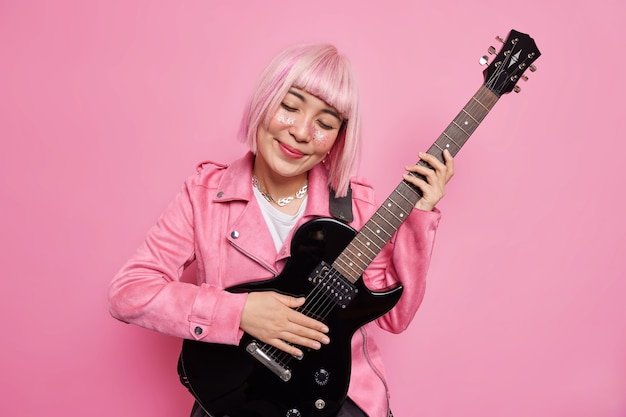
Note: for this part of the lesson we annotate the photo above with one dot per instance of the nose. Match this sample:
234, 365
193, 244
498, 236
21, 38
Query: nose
301, 130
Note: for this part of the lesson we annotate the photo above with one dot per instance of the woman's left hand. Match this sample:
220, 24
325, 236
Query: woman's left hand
434, 188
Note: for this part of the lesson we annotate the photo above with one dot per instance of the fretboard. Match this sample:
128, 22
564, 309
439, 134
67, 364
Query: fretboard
379, 229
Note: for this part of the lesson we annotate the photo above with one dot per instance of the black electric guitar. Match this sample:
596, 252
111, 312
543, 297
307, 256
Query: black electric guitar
327, 261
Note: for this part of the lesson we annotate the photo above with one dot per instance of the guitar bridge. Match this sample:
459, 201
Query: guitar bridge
282, 371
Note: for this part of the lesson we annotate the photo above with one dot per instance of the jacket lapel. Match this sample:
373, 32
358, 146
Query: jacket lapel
248, 232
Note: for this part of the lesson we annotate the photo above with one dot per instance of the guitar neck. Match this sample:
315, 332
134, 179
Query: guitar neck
357, 256
465, 123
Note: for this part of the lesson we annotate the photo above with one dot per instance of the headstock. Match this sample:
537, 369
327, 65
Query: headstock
515, 57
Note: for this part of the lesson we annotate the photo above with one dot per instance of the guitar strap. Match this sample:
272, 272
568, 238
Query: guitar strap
341, 207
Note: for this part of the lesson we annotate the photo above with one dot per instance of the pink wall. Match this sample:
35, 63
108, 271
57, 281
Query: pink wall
105, 107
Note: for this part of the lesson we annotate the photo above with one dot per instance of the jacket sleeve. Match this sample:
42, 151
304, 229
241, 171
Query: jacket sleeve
148, 290
405, 259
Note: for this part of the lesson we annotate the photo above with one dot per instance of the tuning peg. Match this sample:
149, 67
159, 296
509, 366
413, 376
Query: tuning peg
517, 89
524, 77
532, 68
499, 39
491, 50
483, 60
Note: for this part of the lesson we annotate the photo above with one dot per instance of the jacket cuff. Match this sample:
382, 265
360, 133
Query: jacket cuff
216, 315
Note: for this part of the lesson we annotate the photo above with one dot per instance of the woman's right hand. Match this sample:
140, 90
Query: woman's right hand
270, 317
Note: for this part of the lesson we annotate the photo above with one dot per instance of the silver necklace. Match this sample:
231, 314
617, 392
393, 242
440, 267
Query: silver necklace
281, 201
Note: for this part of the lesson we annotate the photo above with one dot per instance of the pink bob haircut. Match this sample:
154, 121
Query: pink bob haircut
322, 71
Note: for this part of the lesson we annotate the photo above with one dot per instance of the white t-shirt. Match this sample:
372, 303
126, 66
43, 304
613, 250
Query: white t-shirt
279, 223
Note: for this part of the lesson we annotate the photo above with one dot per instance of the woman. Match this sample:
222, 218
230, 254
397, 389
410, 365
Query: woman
237, 221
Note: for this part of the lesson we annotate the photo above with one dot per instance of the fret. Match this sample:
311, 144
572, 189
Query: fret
353, 270
467, 125
378, 215
457, 136
351, 257
353, 248
470, 116
477, 101
356, 259
461, 128
417, 194
368, 243
379, 229
445, 134
358, 255
392, 214
347, 273
345, 266
399, 217
453, 149
476, 112
367, 247
405, 211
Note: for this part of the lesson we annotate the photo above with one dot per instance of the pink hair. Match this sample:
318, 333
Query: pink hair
323, 72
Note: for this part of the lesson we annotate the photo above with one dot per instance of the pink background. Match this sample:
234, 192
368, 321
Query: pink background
106, 106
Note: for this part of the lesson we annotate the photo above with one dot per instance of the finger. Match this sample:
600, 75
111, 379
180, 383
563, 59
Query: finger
309, 342
432, 160
437, 171
427, 172
423, 185
286, 347
447, 156
430, 170
316, 328
291, 342
291, 302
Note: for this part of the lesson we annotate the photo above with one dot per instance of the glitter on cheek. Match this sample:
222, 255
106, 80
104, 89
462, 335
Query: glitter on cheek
319, 136
285, 120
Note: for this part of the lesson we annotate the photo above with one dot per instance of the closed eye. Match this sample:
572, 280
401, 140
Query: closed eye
288, 108
324, 125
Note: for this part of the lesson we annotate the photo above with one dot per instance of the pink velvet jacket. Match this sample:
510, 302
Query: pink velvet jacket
216, 222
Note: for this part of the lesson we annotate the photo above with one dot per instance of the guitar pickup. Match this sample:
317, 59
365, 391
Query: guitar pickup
280, 370
333, 285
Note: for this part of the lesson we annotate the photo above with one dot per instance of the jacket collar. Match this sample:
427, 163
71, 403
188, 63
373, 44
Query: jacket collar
236, 184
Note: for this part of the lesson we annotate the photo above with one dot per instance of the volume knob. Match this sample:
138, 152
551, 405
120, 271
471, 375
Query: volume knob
321, 377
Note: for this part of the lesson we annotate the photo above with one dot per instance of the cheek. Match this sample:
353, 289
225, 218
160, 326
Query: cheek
319, 136
283, 119
322, 140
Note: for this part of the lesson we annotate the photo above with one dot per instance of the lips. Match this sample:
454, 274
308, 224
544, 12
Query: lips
290, 152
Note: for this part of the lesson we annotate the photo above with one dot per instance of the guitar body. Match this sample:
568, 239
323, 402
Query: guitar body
228, 380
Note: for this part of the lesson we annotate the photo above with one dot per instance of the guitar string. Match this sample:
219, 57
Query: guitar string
317, 306
280, 355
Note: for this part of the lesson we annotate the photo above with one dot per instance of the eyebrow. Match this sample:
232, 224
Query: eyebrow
325, 110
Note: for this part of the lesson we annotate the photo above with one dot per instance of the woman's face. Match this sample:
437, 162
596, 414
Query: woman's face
299, 135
